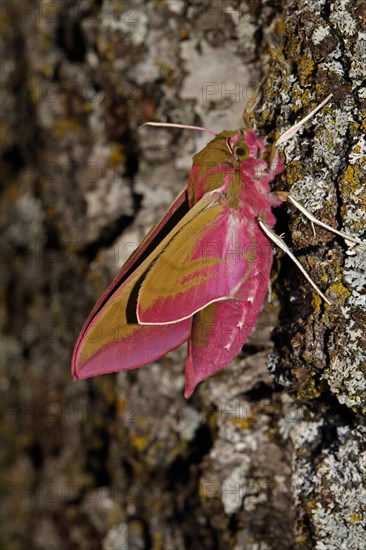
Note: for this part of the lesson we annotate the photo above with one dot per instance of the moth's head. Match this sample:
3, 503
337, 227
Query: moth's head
245, 144
250, 156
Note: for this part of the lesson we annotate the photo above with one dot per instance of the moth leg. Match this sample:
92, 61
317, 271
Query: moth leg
286, 196
313, 227
296, 127
281, 244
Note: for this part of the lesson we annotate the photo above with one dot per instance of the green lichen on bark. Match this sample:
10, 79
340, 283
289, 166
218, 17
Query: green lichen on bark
320, 350
325, 171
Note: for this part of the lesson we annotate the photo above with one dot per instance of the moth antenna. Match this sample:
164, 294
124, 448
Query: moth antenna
252, 102
269, 292
173, 125
281, 244
313, 220
296, 127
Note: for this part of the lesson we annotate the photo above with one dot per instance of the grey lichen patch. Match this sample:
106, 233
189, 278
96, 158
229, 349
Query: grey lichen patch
246, 25
358, 154
305, 432
232, 498
160, 60
332, 496
101, 508
188, 425
117, 537
341, 17
346, 374
26, 228
160, 442
355, 277
320, 33
225, 79
346, 379
323, 191
314, 7
340, 518
334, 67
353, 188
246, 467
357, 59
129, 18
331, 129
107, 192
176, 6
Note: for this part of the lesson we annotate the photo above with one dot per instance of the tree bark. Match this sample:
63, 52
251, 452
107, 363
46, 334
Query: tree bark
260, 457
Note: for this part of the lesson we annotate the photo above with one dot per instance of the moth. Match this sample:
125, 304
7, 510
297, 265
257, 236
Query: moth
201, 274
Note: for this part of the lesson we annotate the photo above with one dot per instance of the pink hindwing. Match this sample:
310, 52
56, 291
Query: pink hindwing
200, 275
219, 330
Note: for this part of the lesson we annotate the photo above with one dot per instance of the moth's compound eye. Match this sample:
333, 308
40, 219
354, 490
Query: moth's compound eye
241, 151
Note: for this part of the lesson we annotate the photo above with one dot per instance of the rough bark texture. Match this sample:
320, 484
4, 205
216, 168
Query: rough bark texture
256, 459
